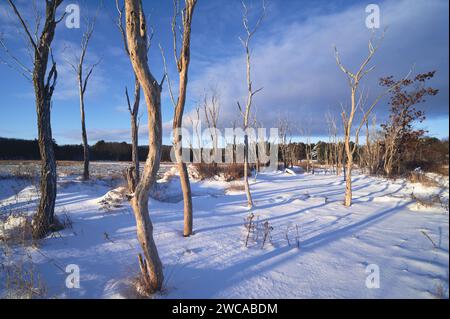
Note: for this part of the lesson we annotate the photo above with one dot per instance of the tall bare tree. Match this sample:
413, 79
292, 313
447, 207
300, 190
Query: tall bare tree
133, 173
250, 32
334, 142
357, 101
284, 132
82, 85
195, 123
354, 80
211, 109
44, 85
182, 61
136, 34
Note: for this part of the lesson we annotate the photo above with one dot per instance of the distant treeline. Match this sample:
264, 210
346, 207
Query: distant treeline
425, 153
18, 149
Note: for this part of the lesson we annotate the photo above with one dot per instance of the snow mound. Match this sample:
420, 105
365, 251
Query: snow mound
388, 199
440, 179
114, 198
15, 227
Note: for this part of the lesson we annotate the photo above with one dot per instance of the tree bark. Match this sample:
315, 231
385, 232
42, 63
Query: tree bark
246, 167
83, 132
349, 150
136, 31
183, 68
82, 85
133, 173
348, 176
135, 135
44, 85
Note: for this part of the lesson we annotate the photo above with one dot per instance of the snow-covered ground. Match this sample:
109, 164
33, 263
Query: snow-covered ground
409, 242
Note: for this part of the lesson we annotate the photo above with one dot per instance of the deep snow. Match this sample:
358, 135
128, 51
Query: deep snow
385, 226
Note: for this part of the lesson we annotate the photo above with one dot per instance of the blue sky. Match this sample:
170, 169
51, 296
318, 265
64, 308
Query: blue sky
292, 54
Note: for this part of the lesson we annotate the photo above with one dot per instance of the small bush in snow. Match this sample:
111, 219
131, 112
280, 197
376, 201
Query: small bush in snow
15, 229
417, 176
227, 172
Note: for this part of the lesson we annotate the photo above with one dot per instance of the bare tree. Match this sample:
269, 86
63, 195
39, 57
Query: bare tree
284, 133
44, 85
358, 99
195, 123
308, 149
211, 109
133, 173
82, 85
182, 62
136, 34
334, 143
250, 91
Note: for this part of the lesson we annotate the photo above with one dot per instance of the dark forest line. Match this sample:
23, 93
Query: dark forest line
20, 149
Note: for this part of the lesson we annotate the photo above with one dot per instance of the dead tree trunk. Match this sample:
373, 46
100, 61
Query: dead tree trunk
212, 117
182, 62
250, 93
133, 173
136, 31
44, 85
354, 80
82, 84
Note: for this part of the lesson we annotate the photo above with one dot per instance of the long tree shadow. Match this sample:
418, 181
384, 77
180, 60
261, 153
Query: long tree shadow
248, 268
324, 238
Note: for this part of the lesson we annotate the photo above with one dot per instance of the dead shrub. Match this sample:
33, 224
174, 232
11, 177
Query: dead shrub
114, 199
22, 280
419, 177
230, 172
236, 187
233, 171
430, 201
205, 170
24, 172
15, 229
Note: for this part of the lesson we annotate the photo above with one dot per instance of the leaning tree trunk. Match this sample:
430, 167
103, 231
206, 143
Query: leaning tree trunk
136, 29
183, 67
182, 169
44, 85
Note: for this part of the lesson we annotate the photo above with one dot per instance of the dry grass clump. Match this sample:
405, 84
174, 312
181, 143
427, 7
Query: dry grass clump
22, 281
419, 177
23, 171
229, 172
236, 187
429, 201
19, 278
15, 229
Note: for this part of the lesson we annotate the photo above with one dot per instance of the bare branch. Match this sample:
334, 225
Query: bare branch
174, 31
89, 74
19, 66
119, 24
128, 101
24, 24
166, 75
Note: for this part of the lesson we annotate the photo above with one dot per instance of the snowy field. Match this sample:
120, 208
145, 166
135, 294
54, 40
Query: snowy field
317, 248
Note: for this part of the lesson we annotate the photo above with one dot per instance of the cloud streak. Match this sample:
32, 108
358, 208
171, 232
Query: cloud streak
296, 67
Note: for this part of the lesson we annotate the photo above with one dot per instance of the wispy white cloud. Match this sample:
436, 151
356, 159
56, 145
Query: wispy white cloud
296, 68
